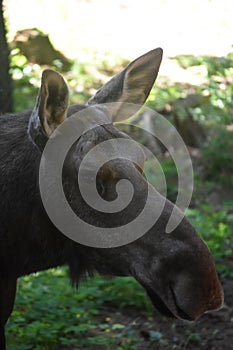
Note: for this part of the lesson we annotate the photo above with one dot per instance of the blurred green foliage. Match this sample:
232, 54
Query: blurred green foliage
92, 70
218, 157
219, 83
87, 75
167, 171
216, 227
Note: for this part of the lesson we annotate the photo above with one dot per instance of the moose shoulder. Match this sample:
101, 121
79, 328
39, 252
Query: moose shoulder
176, 269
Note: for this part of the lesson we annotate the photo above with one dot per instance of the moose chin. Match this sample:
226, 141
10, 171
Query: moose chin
176, 269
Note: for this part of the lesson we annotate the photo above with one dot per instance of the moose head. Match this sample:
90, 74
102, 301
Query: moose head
175, 268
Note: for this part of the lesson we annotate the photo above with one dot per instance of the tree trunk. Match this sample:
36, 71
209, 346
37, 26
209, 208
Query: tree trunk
6, 102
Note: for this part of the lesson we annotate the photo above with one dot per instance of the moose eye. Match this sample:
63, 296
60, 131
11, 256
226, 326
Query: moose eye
101, 188
85, 147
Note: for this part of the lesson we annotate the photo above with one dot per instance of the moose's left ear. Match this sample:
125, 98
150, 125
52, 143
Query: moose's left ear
52, 103
132, 85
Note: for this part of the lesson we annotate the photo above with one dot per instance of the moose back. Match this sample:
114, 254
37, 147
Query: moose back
175, 269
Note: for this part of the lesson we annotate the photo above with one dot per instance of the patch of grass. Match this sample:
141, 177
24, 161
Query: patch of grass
49, 314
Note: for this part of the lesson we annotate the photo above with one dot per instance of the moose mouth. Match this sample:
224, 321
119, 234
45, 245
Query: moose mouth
169, 309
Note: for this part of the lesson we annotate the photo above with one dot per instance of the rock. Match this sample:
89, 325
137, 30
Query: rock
37, 48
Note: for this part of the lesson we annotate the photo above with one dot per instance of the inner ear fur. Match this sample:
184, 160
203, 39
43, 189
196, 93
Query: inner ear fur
52, 100
131, 86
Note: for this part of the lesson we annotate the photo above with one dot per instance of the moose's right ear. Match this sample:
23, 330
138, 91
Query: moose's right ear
51, 107
132, 85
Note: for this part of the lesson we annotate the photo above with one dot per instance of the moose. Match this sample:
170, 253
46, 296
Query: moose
176, 269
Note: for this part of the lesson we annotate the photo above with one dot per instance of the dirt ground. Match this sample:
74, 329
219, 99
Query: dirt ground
213, 331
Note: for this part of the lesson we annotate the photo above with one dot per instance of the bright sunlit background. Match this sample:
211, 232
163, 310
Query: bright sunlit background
128, 27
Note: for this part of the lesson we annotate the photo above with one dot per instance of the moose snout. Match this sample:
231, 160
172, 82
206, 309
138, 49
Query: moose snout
185, 293
192, 284
197, 290
182, 280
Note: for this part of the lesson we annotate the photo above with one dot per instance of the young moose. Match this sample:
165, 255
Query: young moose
176, 269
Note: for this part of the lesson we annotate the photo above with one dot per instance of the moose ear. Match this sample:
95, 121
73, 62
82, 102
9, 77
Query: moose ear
52, 102
132, 85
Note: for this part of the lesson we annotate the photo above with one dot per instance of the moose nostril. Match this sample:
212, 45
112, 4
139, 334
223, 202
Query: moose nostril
181, 313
